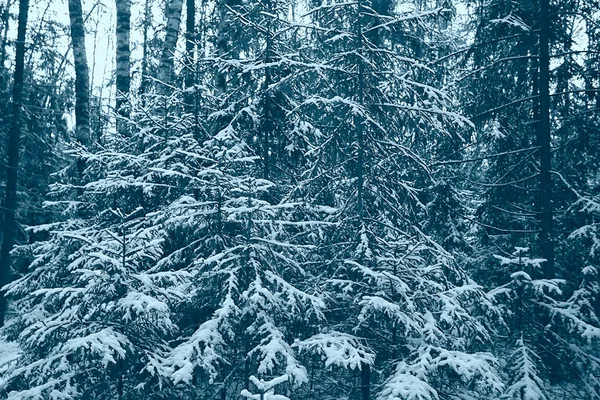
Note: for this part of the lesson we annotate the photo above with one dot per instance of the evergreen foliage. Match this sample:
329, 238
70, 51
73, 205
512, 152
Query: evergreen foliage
319, 199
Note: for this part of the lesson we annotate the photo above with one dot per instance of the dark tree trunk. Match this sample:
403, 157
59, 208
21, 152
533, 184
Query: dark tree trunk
123, 64
190, 44
82, 79
146, 26
14, 136
357, 119
544, 141
365, 382
120, 378
222, 46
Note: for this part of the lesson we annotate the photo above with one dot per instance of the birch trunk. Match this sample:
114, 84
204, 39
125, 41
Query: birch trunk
123, 64
165, 68
82, 78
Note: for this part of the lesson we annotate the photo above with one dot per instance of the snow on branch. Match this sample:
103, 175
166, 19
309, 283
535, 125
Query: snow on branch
338, 349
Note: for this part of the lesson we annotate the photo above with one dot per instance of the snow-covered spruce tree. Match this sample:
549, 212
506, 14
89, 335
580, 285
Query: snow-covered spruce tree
579, 314
247, 303
500, 88
447, 204
505, 51
577, 320
498, 92
400, 307
525, 382
236, 234
574, 97
93, 317
256, 76
522, 299
586, 254
234, 237
544, 331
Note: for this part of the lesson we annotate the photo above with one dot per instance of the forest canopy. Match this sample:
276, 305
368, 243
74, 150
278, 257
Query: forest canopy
300, 199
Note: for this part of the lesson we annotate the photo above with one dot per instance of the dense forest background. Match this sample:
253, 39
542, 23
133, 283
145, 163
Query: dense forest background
300, 199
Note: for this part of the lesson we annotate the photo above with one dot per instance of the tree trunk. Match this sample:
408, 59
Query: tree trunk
544, 141
358, 123
14, 136
268, 123
365, 381
222, 46
165, 69
82, 78
146, 26
190, 44
123, 64
120, 367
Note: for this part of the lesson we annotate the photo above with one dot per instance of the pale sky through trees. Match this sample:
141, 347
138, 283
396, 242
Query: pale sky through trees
100, 43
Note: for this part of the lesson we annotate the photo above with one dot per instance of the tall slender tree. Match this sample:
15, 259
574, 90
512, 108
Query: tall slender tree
544, 142
14, 138
123, 64
167, 57
146, 22
190, 46
82, 79
379, 110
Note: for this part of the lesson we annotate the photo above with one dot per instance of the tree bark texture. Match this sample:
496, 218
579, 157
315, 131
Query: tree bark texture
82, 78
123, 66
14, 137
190, 44
544, 141
146, 26
165, 69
